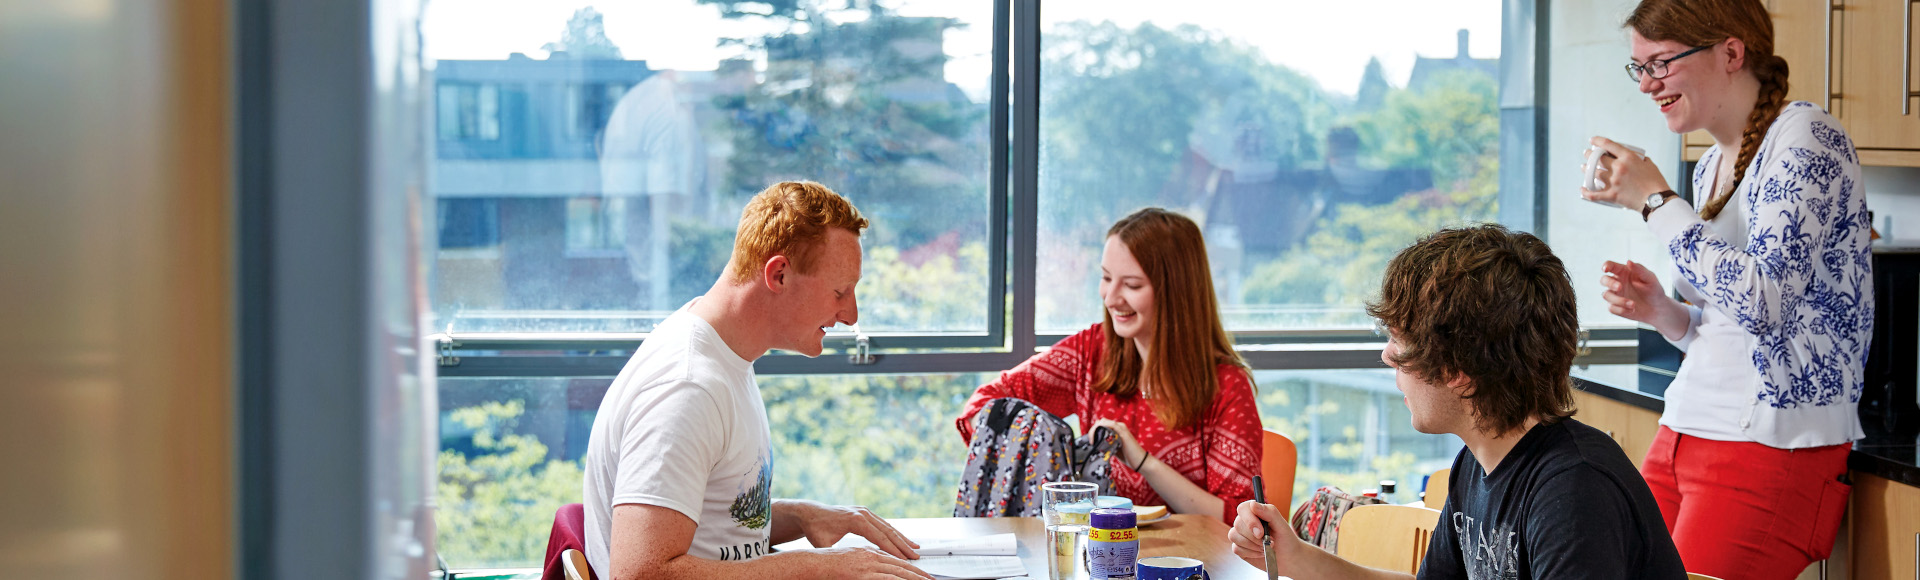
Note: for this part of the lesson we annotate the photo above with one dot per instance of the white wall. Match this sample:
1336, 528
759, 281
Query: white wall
1589, 94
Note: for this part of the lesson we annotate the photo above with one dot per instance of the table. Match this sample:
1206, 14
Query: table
1193, 536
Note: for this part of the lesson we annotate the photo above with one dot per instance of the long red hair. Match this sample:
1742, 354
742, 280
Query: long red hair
1188, 339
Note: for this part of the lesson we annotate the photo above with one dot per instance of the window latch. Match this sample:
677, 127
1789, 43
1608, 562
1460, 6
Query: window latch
862, 351
445, 357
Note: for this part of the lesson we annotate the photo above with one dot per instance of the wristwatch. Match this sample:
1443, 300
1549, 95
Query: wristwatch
1654, 201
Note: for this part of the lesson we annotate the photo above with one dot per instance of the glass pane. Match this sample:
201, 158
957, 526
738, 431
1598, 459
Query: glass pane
1584, 104
1352, 429
511, 452
1308, 153
590, 162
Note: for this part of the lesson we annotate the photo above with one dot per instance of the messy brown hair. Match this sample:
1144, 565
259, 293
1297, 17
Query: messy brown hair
1188, 341
791, 219
1706, 22
1491, 305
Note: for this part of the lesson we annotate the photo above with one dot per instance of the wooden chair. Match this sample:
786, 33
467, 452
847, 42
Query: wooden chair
576, 564
1278, 459
1437, 488
1387, 537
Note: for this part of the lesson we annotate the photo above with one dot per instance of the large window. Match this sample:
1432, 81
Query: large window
511, 447
614, 144
1310, 153
591, 161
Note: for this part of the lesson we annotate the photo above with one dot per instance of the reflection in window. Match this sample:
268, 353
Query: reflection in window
469, 112
467, 223
589, 106
596, 224
1308, 155
620, 142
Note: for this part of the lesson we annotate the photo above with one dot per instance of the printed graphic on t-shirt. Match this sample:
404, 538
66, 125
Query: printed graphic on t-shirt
1488, 555
753, 508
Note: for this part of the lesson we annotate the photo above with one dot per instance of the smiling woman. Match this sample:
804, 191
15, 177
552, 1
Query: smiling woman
1778, 289
1165, 378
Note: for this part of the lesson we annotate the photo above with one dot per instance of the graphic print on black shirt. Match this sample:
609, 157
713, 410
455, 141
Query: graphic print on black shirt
1493, 553
1565, 503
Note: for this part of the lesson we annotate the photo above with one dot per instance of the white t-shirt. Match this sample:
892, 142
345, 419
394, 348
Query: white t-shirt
683, 427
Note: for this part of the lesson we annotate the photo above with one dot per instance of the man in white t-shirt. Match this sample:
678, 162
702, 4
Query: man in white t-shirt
679, 465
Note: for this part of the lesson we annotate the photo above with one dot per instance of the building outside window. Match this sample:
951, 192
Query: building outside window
629, 136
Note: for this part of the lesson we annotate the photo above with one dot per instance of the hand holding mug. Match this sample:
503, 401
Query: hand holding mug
1619, 175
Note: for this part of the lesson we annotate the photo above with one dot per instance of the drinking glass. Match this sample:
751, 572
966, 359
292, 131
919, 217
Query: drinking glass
1066, 505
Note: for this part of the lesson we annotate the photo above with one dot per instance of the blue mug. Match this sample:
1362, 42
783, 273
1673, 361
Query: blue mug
1170, 568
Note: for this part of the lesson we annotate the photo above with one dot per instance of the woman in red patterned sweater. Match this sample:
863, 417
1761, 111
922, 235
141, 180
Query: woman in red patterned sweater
1160, 371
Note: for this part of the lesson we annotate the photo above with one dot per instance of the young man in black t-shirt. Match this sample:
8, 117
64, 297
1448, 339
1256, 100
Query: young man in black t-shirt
1483, 333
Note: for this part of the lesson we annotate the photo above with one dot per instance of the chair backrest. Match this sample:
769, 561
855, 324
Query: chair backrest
576, 564
1388, 537
1437, 488
1278, 459
1693, 576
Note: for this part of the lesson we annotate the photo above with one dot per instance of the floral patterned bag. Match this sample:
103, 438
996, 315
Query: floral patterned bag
1318, 519
1016, 448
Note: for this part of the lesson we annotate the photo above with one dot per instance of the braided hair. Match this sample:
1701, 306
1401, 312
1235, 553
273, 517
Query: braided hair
1705, 22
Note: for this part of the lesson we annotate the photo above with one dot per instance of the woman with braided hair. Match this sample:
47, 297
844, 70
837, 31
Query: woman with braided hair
1750, 460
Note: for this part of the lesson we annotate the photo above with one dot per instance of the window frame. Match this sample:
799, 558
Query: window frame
1011, 337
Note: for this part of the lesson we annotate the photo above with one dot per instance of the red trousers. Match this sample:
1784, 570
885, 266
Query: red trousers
1744, 511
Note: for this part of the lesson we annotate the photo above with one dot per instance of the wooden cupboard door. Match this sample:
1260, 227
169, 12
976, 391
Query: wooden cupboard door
1800, 35
1876, 62
1632, 427
1886, 528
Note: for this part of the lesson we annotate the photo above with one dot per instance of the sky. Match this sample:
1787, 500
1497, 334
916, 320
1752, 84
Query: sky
1329, 41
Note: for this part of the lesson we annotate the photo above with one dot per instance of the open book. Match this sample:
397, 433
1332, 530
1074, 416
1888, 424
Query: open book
995, 556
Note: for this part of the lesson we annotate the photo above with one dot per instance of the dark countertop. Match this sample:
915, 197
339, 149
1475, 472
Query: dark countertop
1897, 459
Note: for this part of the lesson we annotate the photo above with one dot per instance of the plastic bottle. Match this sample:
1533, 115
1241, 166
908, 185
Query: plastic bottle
1386, 490
1113, 545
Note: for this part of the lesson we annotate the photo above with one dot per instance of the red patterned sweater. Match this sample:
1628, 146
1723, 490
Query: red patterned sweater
1220, 453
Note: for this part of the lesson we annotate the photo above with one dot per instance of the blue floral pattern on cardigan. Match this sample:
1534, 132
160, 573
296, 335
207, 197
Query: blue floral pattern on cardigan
1804, 284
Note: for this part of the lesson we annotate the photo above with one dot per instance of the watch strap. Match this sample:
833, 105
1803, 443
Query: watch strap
1646, 212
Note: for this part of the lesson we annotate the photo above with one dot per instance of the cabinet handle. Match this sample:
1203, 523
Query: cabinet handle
1831, 8
1906, 60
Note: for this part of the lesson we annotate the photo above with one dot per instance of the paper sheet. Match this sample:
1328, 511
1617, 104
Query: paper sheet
970, 567
995, 556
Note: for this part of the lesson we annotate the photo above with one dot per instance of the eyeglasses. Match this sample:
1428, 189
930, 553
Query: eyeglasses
1657, 68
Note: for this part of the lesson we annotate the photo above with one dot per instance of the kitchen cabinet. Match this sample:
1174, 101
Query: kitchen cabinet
1885, 529
1631, 426
1799, 35
1857, 59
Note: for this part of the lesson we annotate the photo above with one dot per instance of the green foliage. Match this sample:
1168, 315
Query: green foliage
1122, 106
585, 38
1341, 416
941, 293
887, 443
862, 107
1452, 129
700, 253
496, 507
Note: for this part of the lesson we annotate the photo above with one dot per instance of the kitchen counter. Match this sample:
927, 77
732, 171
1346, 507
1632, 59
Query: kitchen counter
1894, 459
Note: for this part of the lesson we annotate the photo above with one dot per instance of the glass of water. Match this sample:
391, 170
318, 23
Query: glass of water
1066, 505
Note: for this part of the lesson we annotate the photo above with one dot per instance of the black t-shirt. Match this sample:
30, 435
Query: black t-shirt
1564, 503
